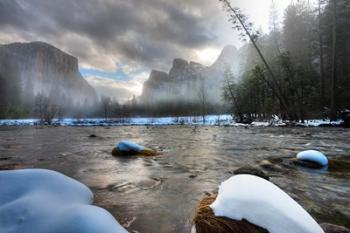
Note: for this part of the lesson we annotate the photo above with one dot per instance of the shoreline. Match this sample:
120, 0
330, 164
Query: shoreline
211, 120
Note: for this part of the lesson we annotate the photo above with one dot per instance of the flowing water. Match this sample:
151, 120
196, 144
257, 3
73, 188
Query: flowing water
159, 194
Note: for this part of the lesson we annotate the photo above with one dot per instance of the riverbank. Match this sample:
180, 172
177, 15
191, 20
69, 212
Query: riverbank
210, 120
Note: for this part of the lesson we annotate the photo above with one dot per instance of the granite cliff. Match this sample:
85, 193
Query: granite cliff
27, 69
186, 80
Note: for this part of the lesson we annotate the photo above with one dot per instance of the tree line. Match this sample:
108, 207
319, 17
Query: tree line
300, 69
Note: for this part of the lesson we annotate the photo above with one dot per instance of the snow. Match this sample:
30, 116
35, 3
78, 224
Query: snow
263, 204
44, 201
185, 120
129, 146
210, 120
313, 156
319, 122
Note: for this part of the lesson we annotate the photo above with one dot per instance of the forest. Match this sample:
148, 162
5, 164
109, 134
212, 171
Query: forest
300, 70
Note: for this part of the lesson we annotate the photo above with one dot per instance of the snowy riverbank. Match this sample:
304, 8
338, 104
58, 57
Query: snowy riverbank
224, 120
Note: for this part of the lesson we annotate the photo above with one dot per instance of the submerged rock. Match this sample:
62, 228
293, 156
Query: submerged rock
311, 159
331, 228
249, 169
127, 148
266, 164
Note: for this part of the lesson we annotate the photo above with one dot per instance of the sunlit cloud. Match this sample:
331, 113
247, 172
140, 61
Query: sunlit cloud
122, 41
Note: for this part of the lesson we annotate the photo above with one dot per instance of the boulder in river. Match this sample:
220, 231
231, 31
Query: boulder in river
127, 148
235, 209
331, 228
205, 220
311, 159
249, 169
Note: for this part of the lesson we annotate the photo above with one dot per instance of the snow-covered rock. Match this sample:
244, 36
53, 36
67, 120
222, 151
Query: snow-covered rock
129, 146
263, 204
125, 148
313, 156
44, 201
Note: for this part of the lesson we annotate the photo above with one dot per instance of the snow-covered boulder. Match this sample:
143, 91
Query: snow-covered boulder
263, 204
314, 157
126, 148
44, 201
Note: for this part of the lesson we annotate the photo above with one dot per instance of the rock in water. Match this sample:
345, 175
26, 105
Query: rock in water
331, 228
260, 202
127, 148
206, 222
312, 159
248, 169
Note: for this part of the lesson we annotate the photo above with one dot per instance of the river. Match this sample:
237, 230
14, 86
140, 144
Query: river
159, 194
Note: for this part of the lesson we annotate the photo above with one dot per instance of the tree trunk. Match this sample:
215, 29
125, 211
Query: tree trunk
334, 63
322, 72
274, 85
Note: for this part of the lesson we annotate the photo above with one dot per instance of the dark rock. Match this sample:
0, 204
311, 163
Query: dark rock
4, 158
248, 169
92, 136
345, 115
14, 166
331, 228
266, 164
305, 163
132, 149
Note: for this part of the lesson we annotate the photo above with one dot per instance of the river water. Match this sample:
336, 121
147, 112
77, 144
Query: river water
159, 194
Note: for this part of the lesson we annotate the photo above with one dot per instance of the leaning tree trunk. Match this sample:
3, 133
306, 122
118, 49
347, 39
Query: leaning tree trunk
274, 85
322, 72
334, 63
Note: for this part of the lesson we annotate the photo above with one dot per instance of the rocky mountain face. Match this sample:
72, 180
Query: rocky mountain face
37, 67
190, 80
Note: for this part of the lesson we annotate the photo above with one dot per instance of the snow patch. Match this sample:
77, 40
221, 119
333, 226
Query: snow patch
263, 204
44, 201
209, 120
313, 156
129, 146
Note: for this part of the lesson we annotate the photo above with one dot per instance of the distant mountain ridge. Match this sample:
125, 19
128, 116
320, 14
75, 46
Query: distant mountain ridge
38, 67
186, 79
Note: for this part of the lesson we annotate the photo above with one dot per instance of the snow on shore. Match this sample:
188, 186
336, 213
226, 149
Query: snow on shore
44, 201
187, 120
263, 204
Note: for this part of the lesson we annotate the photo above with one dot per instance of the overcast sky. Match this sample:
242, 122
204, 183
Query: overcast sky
118, 42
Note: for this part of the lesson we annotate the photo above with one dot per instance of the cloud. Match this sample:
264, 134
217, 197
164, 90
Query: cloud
121, 89
111, 88
110, 35
150, 32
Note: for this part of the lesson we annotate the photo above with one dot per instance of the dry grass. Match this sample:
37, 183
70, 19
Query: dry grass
206, 222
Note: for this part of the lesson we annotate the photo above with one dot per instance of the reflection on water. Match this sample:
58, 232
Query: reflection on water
159, 194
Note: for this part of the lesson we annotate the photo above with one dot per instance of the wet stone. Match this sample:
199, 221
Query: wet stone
331, 228
249, 169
